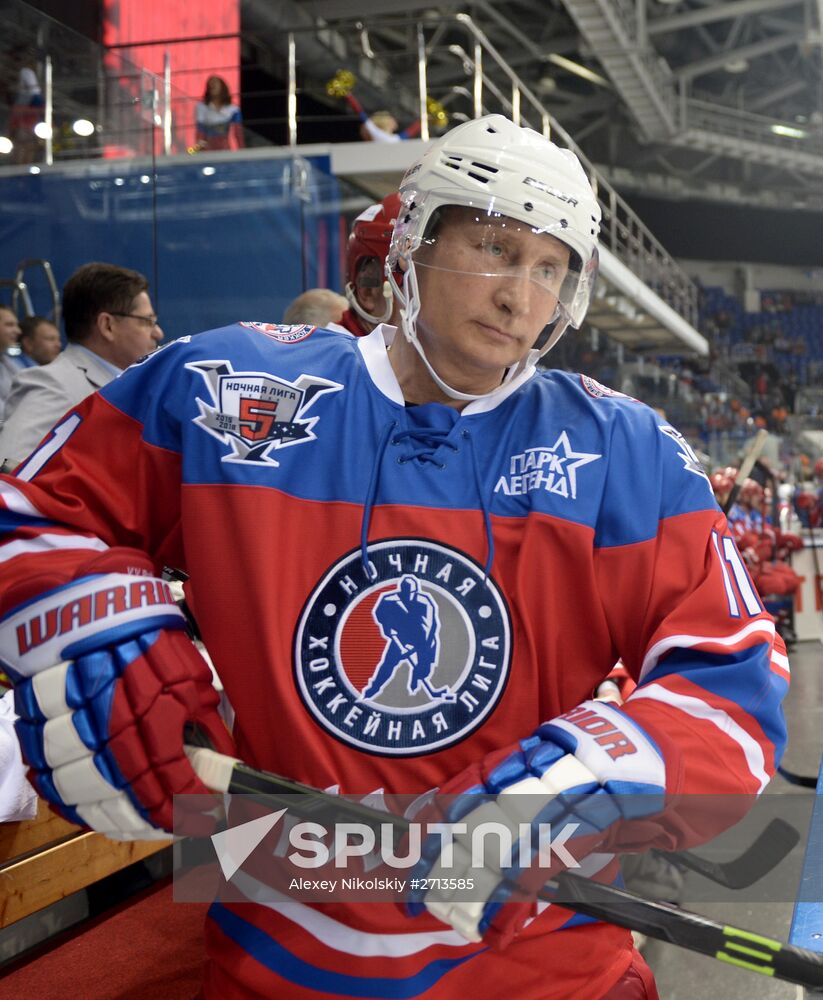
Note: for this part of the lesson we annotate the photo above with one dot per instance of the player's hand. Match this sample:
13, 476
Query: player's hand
584, 773
105, 681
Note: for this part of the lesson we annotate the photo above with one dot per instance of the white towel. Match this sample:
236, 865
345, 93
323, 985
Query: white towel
18, 800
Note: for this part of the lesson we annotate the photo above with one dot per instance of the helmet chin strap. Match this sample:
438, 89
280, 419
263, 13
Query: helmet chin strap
363, 313
409, 298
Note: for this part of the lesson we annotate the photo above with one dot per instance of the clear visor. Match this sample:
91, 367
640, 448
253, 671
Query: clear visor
531, 265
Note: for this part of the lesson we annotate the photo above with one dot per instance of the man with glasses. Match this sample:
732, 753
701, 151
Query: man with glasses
110, 323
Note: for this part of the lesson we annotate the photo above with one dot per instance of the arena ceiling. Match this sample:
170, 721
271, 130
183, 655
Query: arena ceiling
719, 101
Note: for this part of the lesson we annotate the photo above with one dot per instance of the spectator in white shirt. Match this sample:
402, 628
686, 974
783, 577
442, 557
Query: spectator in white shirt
110, 323
9, 335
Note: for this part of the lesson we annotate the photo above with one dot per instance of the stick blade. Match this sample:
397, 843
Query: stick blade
802, 780
773, 844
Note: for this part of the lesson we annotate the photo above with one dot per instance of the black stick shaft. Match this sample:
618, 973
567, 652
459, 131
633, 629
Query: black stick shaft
766, 956
732, 945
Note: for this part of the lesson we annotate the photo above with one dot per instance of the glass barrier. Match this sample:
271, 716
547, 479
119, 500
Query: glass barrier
72, 100
143, 189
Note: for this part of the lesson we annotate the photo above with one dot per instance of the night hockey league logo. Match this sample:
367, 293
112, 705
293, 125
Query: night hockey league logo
600, 391
407, 657
254, 412
283, 333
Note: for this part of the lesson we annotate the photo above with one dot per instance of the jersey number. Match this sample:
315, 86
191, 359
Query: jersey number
738, 583
256, 418
53, 443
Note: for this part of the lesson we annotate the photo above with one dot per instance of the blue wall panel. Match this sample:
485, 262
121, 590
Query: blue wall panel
238, 241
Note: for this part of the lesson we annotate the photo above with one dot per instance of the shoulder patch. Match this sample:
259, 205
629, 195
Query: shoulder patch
691, 461
600, 391
281, 332
256, 413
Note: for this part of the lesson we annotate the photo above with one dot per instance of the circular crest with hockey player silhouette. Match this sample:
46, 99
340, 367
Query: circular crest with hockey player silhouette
408, 656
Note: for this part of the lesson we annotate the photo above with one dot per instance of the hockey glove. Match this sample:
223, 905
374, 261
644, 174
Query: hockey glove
561, 793
105, 681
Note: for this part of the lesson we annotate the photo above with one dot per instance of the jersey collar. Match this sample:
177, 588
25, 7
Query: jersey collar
374, 350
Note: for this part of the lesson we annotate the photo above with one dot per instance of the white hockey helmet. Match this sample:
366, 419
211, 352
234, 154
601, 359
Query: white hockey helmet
501, 170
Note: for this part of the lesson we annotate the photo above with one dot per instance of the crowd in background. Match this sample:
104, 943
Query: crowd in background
718, 403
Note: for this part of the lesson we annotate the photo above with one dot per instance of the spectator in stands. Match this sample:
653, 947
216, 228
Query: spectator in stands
26, 109
218, 120
9, 335
110, 323
39, 341
380, 126
316, 307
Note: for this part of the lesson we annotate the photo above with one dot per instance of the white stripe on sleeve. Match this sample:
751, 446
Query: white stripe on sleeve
17, 502
659, 649
48, 543
699, 709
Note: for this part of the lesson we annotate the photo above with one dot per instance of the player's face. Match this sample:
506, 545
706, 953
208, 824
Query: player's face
488, 287
136, 334
9, 329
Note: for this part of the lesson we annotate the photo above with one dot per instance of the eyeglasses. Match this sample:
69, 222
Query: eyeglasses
148, 320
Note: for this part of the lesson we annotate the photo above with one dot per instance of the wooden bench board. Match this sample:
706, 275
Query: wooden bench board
28, 835
46, 859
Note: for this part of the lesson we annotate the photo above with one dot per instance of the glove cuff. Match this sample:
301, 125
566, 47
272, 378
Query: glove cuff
610, 743
83, 615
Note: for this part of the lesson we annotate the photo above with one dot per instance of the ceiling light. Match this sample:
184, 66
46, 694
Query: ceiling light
42, 130
145, 179
736, 65
83, 127
208, 171
34, 170
789, 132
6, 145
119, 182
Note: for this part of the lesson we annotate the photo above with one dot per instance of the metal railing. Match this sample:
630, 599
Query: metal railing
736, 124
623, 232
135, 112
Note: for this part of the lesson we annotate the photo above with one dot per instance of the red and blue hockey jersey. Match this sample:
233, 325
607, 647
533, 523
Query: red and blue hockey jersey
539, 535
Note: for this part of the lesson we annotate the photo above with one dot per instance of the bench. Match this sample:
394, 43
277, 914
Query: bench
45, 859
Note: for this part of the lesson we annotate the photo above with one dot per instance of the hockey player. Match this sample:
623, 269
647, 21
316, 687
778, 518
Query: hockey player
370, 296
324, 493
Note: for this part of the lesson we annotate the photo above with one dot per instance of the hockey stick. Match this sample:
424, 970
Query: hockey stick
746, 467
814, 560
766, 956
803, 780
226, 774
774, 843
763, 955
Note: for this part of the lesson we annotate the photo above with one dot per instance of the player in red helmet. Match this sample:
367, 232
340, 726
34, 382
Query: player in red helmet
722, 483
369, 294
751, 494
807, 504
